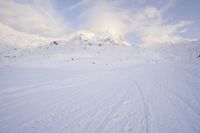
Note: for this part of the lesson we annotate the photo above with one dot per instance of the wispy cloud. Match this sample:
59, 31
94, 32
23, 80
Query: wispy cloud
150, 25
77, 5
34, 17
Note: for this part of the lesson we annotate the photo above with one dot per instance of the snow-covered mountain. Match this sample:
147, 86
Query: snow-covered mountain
99, 38
15, 44
80, 49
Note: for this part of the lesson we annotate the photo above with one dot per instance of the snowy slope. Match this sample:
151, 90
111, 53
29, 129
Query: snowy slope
73, 50
150, 98
188, 50
94, 83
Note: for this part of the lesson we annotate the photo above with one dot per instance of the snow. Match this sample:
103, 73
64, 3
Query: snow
73, 86
143, 98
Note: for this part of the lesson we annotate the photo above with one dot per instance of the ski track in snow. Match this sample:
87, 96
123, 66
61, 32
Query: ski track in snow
144, 107
124, 100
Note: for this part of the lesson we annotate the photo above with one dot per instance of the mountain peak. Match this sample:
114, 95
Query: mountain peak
107, 37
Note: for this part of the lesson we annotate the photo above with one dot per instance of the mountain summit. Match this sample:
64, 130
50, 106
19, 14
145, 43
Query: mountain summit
97, 38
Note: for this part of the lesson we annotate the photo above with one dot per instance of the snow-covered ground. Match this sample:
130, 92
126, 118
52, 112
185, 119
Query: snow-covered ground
86, 86
150, 98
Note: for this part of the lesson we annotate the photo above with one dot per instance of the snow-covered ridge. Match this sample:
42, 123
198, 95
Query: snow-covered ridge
98, 38
64, 53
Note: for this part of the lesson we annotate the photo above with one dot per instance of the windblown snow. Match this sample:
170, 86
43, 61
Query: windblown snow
97, 83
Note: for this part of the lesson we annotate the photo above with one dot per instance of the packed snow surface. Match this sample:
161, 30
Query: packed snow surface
86, 86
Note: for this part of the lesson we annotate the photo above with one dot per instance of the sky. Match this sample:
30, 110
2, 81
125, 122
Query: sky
139, 21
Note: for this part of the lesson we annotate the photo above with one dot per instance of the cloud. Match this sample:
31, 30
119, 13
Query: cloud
168, 5
143, 18
34, 17
148, 22
77, 5
103, 17
150, 25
